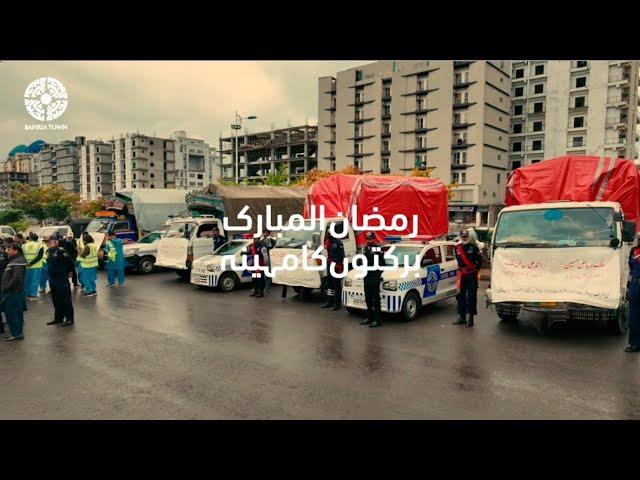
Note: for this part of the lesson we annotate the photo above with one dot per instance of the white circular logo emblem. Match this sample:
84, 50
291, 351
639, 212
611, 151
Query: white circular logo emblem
46, 99
432, 282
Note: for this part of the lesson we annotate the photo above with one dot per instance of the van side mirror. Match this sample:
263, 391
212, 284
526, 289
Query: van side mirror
628, 231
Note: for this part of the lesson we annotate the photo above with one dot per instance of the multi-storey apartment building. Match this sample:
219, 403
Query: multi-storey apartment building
96, 169
141, 161
582, 107
291, 150
196, 162
60, 164
450, 118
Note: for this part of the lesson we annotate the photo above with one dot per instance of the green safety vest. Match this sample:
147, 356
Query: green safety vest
30, 250
91, 260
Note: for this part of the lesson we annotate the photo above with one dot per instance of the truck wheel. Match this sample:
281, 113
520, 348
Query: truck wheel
411, 306
620, 324
504, 317
145, 265
228, 282
184, 274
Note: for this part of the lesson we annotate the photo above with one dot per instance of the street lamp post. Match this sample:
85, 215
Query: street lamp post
237, 126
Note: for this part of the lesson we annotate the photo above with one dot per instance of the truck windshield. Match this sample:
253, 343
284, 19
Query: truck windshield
177, 229
556, 227
97, 225
152, 237
296, 239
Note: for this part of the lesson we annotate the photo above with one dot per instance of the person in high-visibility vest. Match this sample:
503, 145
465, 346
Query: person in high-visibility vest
33, 254
89, 264
44, 273
115, 260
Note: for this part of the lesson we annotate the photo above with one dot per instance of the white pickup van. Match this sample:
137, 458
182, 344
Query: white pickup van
186, 240
401, 291
558, 261
291, 242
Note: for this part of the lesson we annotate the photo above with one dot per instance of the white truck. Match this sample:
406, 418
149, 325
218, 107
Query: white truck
291, 242
186, 240
557, 261
207, 271
401, 291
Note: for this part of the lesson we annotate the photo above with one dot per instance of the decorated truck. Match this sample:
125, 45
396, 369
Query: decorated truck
560, 248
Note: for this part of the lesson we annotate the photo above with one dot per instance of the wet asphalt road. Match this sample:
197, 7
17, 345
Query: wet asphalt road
163, 349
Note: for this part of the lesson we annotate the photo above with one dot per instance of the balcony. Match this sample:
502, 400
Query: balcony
462, 194
619, 143
619, 77
620, 122
618, 99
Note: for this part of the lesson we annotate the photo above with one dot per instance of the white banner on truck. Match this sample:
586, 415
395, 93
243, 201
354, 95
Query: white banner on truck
587, 275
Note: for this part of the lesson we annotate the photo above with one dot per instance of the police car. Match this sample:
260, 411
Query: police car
405, 292
207, 271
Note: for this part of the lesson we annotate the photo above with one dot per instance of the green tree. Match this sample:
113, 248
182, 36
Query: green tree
277, 179
41, 203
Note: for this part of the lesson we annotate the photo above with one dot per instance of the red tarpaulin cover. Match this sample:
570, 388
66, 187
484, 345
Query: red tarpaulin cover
421, 196
578, 179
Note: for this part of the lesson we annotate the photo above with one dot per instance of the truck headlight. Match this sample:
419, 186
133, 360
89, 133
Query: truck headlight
130, 252
348, 282
212, 268
390, 285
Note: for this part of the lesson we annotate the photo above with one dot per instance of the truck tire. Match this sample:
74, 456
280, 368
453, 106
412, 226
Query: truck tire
145, 265
228, 282
184, 274
620, 324
505, 317
411, 306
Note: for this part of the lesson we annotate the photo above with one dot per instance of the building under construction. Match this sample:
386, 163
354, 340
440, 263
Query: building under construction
291, 150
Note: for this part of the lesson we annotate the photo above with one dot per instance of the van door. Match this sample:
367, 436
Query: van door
432, 274
201, 240
448, 271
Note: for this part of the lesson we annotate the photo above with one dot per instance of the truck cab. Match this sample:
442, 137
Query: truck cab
560, 261
186, 240
291, 242
106, 221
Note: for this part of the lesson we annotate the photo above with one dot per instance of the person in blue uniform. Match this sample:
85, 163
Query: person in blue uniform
218, 240
13, 302
372, 282
60, 265
88, 264
634, 300
115, 260
469, 264
33, 251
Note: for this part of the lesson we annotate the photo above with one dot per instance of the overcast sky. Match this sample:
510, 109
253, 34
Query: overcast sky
110, 98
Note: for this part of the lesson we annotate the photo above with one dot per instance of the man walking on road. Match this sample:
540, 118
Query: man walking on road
469, 264
372, 282
60, 266
34, 255
13, 302
115, 260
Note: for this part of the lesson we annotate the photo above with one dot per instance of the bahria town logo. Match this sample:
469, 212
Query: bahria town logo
46, 99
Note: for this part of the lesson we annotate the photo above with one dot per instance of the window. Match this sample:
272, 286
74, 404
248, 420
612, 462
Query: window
580, 102
537, 126
205, 228
459, 118
581, 82
519, 91
516, 147
421, 141
152, 175
386, 110
150, 142
463, 177
419, 103
358, 148
461, 77
539, 88
386, 92
153, 186
517, 128
516, 164
581, 63
151, 154
359, 113
535, 161
578, 122
459, 158
498, 178
434, 255
122, 226
385, 145
536, 145
419, 161
420, 123
538, 107
358, 75
384, 164
520, 73
539, 70
449, 253
422, 84
577, 141
517, 109
151, 164
385, 128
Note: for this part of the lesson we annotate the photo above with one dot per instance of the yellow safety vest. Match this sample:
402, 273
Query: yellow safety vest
30, 250
112, 252
91, 260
